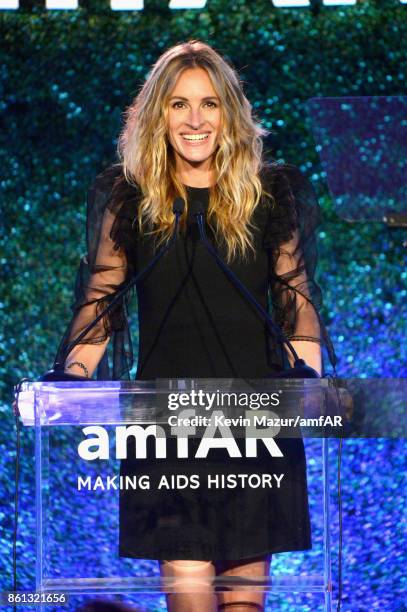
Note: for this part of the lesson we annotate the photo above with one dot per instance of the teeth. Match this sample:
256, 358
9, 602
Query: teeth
195, 136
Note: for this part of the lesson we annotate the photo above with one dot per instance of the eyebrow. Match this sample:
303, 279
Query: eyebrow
186, 99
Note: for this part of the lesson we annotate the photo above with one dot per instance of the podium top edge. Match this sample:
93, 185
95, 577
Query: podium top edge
165, 385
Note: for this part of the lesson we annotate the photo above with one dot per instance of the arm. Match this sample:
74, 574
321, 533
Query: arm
294, 290
107, 274
101, 274
290, 238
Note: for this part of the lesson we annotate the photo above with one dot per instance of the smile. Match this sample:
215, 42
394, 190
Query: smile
194, 137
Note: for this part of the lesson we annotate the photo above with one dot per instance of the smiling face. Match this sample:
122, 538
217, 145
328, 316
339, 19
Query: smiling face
194, 121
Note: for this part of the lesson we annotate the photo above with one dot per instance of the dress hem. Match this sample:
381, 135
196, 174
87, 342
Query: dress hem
231, 557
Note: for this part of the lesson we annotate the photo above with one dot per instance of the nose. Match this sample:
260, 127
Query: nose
195, 118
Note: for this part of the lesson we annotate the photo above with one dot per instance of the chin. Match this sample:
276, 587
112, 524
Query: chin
197, 158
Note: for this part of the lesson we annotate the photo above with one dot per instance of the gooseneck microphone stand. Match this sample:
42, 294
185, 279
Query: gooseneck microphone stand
300, 368
57, 372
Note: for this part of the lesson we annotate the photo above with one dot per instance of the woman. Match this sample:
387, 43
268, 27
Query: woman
190, 133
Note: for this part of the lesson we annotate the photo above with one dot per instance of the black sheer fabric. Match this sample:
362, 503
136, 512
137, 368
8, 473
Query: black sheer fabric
102, 272
285, 233
290, 238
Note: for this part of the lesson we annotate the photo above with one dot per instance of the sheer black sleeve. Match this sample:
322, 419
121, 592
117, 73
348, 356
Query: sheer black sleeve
102, 272
290, 238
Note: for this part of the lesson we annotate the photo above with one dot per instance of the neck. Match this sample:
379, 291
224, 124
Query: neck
195, 176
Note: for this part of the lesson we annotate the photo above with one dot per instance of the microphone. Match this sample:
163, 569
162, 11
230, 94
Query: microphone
300, 368
57, 372
177, 209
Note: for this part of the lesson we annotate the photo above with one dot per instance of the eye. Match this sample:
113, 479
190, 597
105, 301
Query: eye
211, 104
178, 104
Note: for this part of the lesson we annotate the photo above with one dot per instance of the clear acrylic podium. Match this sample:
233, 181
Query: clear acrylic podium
73, 529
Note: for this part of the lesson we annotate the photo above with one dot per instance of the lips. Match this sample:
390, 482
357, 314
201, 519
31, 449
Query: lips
195, 137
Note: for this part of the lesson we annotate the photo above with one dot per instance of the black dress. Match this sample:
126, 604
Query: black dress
193, 323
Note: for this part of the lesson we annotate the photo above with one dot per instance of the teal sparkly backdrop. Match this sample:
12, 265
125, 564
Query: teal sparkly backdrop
66, 78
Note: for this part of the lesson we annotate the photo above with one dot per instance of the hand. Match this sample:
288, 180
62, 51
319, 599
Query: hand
328, 402
312, 404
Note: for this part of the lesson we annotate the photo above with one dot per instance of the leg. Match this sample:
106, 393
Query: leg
195, 591
243, 600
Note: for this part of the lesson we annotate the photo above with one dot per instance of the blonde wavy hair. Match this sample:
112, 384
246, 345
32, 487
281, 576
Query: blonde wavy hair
148, 160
